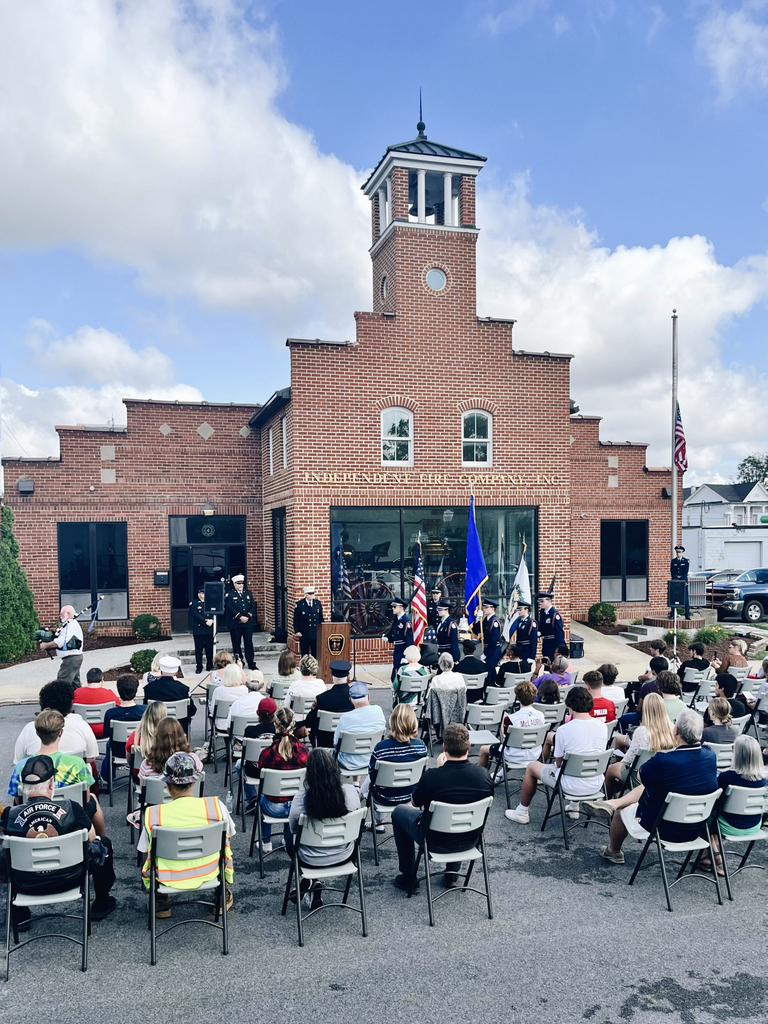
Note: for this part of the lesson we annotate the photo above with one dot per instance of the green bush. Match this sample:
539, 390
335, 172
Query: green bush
711, 635
683, 638
141, 661
146, 627
18, 618
601, 614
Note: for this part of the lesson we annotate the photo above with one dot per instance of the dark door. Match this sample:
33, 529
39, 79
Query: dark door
278, 563
192, 565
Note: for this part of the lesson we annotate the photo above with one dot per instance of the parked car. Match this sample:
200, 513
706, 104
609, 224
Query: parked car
745, 595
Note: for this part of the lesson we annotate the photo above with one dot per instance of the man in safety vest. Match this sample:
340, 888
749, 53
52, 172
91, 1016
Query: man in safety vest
184, 811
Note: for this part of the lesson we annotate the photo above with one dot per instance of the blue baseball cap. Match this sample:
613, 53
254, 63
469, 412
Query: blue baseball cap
358, 690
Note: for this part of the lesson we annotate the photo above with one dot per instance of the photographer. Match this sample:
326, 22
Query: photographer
69, 646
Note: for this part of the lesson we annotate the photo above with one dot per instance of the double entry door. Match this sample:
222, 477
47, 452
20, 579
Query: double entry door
192, 565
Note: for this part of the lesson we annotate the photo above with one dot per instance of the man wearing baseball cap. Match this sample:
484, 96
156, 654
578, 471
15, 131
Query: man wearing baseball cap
185, 810
364, 718
167, 687
40, 816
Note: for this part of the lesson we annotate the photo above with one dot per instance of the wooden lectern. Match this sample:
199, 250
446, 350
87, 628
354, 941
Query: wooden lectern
333, 643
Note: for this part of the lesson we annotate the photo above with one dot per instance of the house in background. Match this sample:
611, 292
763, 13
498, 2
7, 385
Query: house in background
725, 526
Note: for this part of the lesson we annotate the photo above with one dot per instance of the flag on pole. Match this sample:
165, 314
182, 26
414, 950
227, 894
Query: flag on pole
344, 586
681, 458
475, 576
419, 599
521, 591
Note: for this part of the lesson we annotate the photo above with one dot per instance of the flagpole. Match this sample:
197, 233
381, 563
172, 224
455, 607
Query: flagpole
674, 423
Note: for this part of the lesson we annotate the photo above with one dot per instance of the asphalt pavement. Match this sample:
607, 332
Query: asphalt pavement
569, 941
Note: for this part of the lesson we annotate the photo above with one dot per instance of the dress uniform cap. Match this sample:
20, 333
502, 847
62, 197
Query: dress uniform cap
400, 600
169, 664
679, 547
340, 667
443, 604
239, 578
488, 603
544, 593
309, 590
523, 604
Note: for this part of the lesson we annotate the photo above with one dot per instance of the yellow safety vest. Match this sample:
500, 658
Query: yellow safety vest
185, 812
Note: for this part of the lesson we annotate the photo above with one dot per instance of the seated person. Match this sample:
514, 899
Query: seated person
582, 735
169, 739
401, 745
37, 815
548, 692
455, 780
286, 668
220, 661
470, 664
334, 698
658, 663
250, 703
601, 706
527, 716
737, 648
511, 664
636, 692
697, 662
307, 685
154, 670
654, 733
167, 687
450, 679
184, 811
94, 693
323, 797
411, 668
557, 669
689, 769
610, 690
127, 711
144, 735
364, 717
726, 686
232, 687
670, 689
285, 754
721, 730
748, 772
266, 727
77, 736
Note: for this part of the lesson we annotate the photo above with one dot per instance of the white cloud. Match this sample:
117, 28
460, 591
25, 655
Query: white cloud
560, 24
735, 46
611, 309
513, 17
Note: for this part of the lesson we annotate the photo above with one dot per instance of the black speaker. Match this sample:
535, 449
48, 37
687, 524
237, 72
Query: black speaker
214, 597
676, 593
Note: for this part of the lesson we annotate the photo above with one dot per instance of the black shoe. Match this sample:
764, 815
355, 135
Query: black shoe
199, 670
306, 885
101, 909
451, 879
406, 884
317, 900
23, 918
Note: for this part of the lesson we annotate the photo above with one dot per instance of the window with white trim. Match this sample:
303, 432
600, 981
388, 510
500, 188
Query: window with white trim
476, 438
396, 437
271, 456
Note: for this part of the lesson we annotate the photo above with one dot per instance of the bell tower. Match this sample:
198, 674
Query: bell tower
423, 226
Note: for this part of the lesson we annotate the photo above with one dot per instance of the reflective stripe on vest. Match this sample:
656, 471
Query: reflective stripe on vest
186, 812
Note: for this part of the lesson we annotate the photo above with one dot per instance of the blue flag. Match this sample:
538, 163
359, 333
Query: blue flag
476, 576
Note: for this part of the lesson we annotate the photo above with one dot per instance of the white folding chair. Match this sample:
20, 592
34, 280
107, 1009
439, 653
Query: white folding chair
278, 688
724, 754
443, 819
520, 738
42, 856
252, 749
761, 704
238, 725
356, 744
391, 775
577, 766
75, 791
740, 673
181, 844
93, 714
704, 692
621, 706
274, 783
119, 731
680, 808
475, 684
637, 762
301, 706
745, 801
484, 723
154, 791
334, 832
610, 729
741, 724
210, 686
328, 720
553, 713
411, 686
500, 695
220, 711
178, 709
513, 678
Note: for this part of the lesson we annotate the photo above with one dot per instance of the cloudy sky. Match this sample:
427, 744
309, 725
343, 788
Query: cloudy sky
179, 191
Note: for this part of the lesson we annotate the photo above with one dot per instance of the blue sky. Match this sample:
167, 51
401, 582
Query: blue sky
181, 194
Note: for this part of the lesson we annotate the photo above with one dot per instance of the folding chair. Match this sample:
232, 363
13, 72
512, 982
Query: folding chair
93, 714
410, 685
301, 706
682, 809
577, 766
334, 832
553, 714
517, 677
220, 710
705, 689
181, 844
621, 706
41, 856
484, 723
154, 791
238, 725
475, 685
178, 709
610, 729
273, 783
252, 748
761, 704
210, 686
119, 731
565, 690
740, 673
278, 688
75, 791
724, 754
692, 678
637, 762
454, 819
500, 695
328, 720
357, 744
742, 723
391, 775
746, 801
521, 739
574, 678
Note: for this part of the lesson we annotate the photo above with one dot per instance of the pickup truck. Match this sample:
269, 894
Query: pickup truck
747, 596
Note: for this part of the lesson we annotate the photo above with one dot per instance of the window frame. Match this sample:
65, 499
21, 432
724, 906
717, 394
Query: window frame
410, 439
93, 564
489, 441
284, 433
271, 454
623, 562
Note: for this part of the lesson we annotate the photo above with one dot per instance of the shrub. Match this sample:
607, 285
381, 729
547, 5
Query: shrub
146, 627
601, 614
141, 661
711, 635
18, 618
683, 638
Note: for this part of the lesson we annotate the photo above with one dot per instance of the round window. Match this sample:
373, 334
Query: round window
436, 279
384, 287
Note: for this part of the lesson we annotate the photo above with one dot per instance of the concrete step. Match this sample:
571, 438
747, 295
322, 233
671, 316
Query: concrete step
640, 630
633, 638
261, 648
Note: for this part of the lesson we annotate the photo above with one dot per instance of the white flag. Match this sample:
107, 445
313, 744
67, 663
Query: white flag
521, 591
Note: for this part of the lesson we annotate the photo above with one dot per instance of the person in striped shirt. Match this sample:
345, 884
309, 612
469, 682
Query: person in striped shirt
401, 745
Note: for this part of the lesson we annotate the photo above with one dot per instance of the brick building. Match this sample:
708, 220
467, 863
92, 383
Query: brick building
375, 445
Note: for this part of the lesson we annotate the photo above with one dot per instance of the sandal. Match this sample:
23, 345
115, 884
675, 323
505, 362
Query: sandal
705, 864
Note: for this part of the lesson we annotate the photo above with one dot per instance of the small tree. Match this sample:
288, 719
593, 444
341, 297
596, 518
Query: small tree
146, 626
601, 613
753, 469
18, 618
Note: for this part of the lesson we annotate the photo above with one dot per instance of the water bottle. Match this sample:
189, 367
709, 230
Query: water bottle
229, 802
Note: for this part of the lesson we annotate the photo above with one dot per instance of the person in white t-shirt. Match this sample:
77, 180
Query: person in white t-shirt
582, 735
610, 690
77, 737
528, 716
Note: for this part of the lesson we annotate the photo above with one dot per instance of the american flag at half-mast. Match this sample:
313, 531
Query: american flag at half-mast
681, 456
419, 599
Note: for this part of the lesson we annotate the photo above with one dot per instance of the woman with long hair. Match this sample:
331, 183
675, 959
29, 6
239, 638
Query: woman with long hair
655, 733
143, 735
324, 797
747, 770
169, 739
721, 730
286, 665
285, 754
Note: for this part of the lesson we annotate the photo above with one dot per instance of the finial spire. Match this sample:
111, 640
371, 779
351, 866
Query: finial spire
420, 126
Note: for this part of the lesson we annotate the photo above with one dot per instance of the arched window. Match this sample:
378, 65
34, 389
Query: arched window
397, 437
476, 438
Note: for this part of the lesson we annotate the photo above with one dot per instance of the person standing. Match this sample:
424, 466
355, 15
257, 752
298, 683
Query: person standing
678, 570
491, 638
307, 616
68, 645
400, 633
241, 615
447, 632
433, 604
550, 625
525, 629
201, 627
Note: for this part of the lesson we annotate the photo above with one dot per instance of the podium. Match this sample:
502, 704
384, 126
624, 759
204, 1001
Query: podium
333, 643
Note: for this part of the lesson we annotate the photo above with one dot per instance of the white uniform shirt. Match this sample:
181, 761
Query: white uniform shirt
70, 629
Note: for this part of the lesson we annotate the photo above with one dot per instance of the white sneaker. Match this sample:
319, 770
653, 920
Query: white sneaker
572, 809
499, 776
266, 847
519, 814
